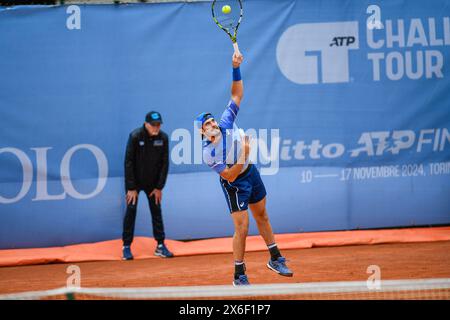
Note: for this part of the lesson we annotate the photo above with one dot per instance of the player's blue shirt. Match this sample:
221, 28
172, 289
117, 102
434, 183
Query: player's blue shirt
224, 153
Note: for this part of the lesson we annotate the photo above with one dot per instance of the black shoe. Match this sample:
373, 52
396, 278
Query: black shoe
162, 251
127, 255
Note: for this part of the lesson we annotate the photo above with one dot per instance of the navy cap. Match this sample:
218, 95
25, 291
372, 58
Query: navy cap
202, 117
153, 116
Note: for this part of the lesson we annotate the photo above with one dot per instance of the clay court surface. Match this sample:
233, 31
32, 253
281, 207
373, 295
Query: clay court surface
345, 263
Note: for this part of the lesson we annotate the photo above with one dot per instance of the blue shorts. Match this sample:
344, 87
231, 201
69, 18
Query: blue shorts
247, 188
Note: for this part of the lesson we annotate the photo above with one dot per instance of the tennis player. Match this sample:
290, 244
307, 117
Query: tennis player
227, 153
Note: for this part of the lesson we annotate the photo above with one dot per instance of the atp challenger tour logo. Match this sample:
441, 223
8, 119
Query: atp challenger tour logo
317, 52
312, 53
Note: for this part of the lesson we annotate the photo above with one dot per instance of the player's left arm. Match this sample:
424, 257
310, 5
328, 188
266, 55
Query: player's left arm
237, 87
237, 91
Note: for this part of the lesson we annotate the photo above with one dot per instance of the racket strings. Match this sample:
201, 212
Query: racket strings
229, 23
231, 20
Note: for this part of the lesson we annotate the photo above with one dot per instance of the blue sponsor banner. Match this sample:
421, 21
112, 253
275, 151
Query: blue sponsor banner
349, 102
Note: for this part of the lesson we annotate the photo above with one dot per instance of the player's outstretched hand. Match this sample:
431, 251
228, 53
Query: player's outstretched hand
237, 59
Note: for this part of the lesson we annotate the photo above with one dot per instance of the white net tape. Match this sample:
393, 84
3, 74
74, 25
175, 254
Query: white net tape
387, 289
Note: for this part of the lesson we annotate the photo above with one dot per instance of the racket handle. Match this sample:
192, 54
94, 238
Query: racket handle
236, 48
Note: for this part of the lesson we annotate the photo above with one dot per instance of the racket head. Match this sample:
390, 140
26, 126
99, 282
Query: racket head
228, 22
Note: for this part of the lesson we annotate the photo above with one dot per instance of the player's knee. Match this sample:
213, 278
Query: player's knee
241, 228
262, 217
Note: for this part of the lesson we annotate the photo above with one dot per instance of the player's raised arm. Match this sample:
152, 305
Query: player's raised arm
237, 88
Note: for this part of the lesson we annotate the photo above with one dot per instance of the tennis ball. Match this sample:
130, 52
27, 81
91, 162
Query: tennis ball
226, 9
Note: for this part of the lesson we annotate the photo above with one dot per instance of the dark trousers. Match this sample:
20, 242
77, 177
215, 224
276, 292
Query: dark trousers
130, 219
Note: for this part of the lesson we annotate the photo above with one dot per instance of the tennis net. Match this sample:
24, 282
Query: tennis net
423, 289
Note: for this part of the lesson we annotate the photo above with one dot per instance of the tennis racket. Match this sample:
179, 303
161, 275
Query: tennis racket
227, 14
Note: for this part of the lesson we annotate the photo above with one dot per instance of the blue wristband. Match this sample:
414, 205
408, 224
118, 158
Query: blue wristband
237, 74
